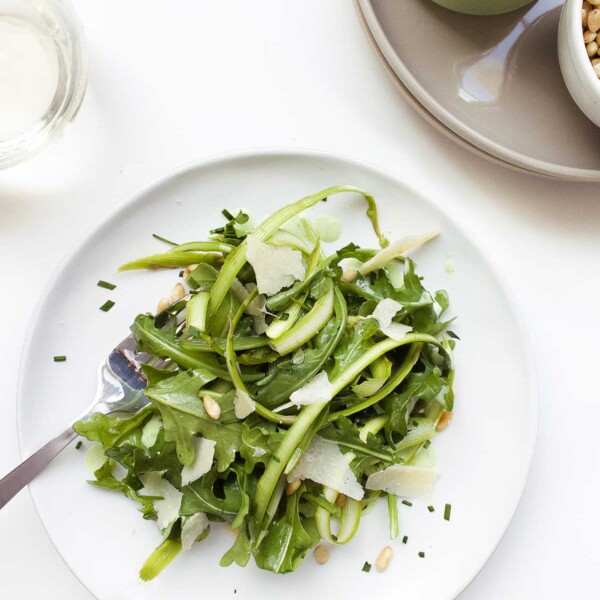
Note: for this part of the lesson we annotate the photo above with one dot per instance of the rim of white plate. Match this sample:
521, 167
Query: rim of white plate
469, 134
280, 152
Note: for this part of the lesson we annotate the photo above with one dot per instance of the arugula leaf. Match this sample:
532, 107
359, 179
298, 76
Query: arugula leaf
353, 345
288, 540
163, 344
110, 431
106, 479
184, 416
428, 386
241, 550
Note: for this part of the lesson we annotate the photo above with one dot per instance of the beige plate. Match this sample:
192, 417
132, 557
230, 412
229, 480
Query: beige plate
418, 107
492, 81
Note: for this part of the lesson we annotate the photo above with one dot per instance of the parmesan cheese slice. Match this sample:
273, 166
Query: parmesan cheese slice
323, 462
203, 458
384, 312
243, 405
275, 267
397, 249
403, 480
167, 509
318, 389
192, 527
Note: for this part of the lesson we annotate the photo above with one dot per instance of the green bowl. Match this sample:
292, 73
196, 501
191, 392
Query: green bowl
483, 7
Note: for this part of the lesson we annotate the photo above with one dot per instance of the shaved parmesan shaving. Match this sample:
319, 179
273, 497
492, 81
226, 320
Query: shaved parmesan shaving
324, 463
397, 249
167, 509
405, 481
192, 527
275, 267
243, 405
203, 458
396, 331
384, 312
95, 458
318, 389
150, 431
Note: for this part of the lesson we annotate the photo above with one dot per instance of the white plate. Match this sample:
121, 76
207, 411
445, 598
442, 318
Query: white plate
494, 81
484, 455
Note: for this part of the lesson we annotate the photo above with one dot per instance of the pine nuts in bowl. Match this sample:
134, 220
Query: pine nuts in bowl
578, 48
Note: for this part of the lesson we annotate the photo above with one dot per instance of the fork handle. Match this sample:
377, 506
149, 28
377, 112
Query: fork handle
18, 478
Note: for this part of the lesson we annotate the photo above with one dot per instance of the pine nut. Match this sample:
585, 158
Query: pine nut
584, 18
350, 275
212, 408
444, 420
177, 293
589, 36
597, 70
341, 500
321, 554
593, 20
163, 304
291, 487
383, 559
594, 2
591, 49
595, 62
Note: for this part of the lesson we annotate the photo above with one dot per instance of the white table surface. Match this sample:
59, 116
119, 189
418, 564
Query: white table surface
174, 81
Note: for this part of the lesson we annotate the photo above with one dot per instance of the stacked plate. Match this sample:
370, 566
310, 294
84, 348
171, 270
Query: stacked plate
492, 84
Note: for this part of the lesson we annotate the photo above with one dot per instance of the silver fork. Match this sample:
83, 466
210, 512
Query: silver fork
121, 385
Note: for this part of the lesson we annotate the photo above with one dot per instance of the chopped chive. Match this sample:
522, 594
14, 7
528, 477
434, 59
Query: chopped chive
227, 215
218, 230
422, 554
452, 335
431, 509
447, 511
242, 218
107, 306
406, 503
60, 358
78, 445
181, 273
324, 199
366, 567
106, 285
284, 316
427, 444
405, 539
165, 240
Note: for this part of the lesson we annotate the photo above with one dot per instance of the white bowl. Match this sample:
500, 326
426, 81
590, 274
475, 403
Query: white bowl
577, 70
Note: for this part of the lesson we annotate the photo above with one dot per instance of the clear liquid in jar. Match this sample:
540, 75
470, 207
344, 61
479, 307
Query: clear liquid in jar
29, 72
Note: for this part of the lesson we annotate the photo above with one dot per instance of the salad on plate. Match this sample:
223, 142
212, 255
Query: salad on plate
289, 389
